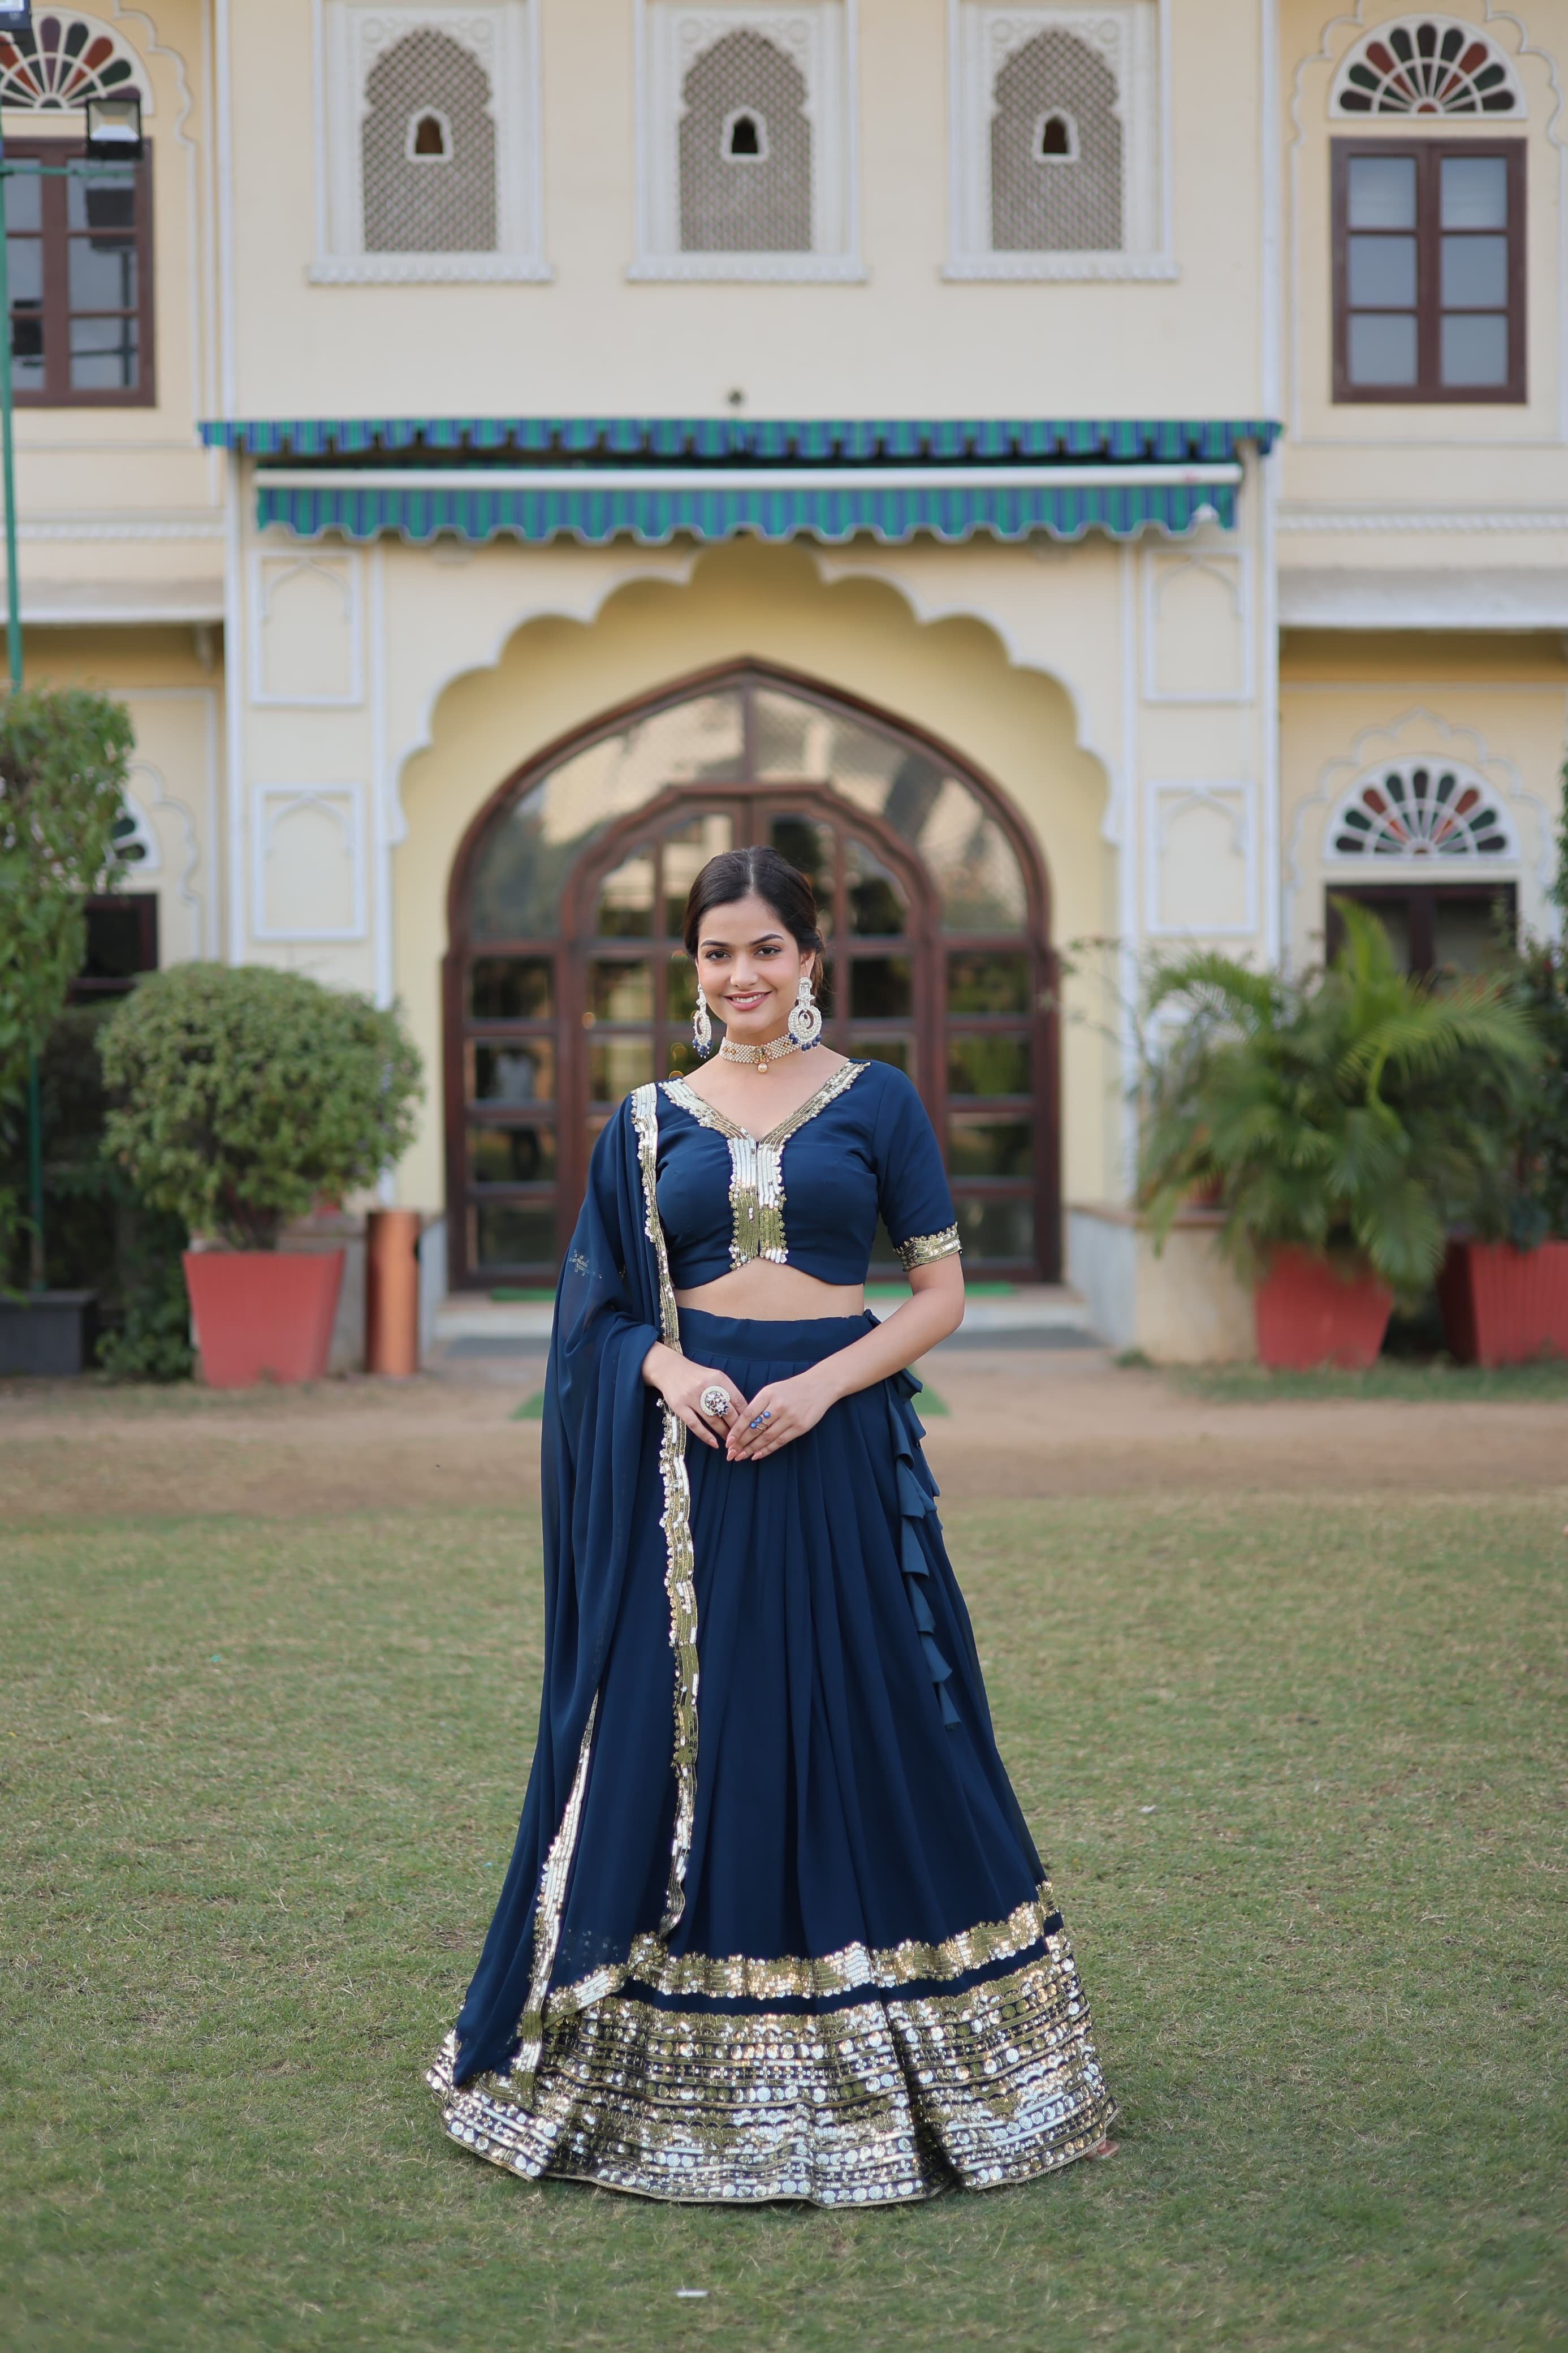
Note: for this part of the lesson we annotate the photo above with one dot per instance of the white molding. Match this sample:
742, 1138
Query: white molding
1058, 267
235, 489
1121, 828
1163, 561
1397, 519
383, 797
503, 35
223, 143
260, 598
1267, 474
822, 37
1270, 290
71, 527
430, 270
1216, 793
980, 35
1466, 596
268, 803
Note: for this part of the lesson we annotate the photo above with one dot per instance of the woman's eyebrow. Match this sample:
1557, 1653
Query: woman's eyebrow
761, 940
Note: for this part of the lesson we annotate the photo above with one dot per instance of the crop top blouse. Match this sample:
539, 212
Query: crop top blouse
861, 1147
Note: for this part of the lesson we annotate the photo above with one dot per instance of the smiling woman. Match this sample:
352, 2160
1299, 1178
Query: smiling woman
774, 1926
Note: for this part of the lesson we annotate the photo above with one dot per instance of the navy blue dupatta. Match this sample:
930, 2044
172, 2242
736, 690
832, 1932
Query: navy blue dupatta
613, 1301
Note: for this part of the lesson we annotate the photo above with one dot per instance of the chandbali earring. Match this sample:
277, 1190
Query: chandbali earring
806, 1017
702, 1027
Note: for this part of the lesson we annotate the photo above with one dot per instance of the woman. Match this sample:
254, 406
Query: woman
774, 1926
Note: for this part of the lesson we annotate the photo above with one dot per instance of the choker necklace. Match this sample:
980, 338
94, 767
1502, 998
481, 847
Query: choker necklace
772, 1050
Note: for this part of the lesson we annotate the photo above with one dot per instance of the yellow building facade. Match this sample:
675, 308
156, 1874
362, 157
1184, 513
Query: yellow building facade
1083, 481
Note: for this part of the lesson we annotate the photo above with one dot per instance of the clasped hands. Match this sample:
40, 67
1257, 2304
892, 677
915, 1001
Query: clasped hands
753, 1428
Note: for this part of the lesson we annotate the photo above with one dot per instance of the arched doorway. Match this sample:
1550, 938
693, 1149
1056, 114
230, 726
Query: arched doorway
567, 983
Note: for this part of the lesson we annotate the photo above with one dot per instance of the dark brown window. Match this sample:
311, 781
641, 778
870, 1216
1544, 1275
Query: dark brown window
1429, 270
80, 256
1441, 927
122, 945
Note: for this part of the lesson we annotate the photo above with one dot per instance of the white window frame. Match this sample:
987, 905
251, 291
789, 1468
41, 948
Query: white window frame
981, 36
822, 38
504, 33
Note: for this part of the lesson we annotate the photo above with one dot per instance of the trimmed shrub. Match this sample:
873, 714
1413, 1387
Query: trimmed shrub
243, 1095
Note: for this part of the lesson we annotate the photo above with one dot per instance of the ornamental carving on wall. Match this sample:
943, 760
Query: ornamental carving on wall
1426, 65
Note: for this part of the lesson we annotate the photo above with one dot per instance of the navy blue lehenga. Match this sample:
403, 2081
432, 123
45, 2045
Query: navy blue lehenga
774, 1926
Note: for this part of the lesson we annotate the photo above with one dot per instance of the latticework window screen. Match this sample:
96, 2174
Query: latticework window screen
745, 202
428, 202
1048, 203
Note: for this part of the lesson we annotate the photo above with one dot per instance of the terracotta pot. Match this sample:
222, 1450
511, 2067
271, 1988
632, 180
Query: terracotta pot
1502, 1306
1307, 1312
263, 1314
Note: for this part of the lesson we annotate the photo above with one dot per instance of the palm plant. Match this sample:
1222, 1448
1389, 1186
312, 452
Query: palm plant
1356, 1113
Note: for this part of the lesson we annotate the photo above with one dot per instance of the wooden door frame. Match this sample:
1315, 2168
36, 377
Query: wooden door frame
743, 674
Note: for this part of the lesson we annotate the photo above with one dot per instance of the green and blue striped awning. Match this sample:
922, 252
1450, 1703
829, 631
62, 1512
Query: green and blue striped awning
594, 479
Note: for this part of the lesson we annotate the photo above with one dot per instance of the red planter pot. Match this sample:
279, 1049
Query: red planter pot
263, 1314
1502, 1306
1307, 1313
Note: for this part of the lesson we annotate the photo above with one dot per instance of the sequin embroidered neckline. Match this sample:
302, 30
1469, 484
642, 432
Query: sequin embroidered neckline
756, 1164
709, 1115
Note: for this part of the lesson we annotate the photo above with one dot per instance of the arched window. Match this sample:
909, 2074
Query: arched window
1421, 808
60, 60
1426, 65
1056, 150
743, 101
746, 138
1055, 138
429, 138
429, 84
567, 984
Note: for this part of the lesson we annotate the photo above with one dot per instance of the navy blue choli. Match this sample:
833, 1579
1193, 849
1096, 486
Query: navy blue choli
774, 1925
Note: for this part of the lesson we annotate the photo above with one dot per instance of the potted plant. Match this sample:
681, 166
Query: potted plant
1346, 1119
64, 757
1504, 1285
242, 1096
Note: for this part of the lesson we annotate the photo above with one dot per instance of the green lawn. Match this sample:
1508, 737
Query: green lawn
1405, 1379
1300, 1768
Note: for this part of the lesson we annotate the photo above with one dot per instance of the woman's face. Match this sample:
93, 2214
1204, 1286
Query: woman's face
749, 968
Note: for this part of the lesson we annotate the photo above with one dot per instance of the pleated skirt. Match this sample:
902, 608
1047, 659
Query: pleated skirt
868, 1994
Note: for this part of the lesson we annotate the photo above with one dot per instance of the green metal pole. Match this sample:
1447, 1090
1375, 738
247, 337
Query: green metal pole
36, 1267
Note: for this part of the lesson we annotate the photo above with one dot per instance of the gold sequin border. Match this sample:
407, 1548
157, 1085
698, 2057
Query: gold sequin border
737, 1977
874, 2104
552, 1900
756, 1164
679, 1559
924, 1250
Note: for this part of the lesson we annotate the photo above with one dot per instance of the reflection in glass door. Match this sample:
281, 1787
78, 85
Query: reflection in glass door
568, 984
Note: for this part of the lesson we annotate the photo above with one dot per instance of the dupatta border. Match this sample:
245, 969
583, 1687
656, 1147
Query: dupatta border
679, 1559
548, 1910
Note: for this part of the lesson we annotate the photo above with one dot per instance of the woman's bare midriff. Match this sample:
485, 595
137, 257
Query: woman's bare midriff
766, 1294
